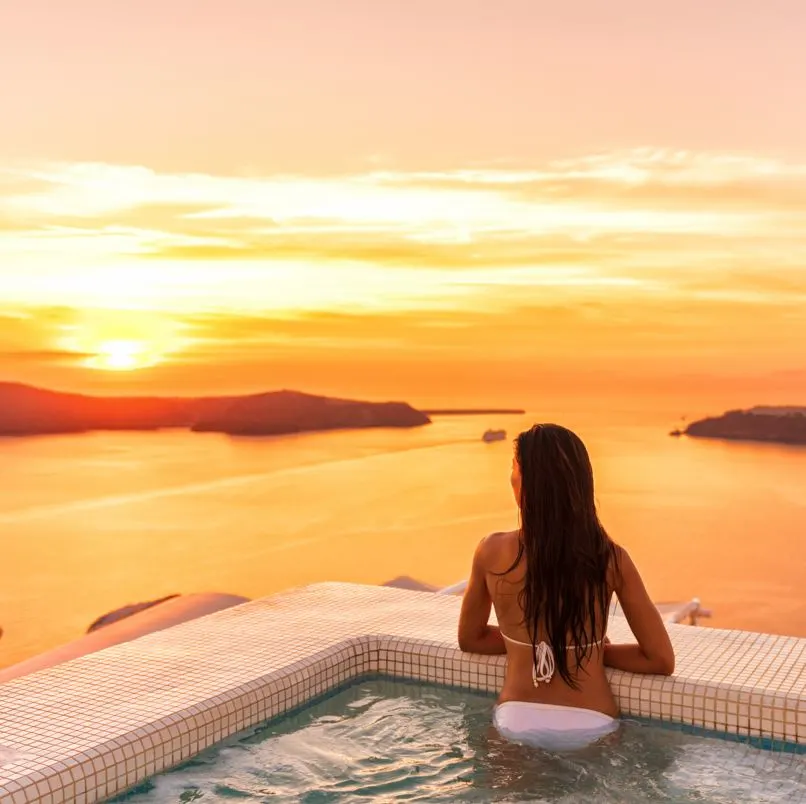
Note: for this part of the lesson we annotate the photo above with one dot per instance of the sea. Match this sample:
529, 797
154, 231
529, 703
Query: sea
89, 523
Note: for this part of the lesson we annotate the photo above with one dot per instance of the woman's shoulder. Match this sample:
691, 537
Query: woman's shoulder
500, 539
498, 548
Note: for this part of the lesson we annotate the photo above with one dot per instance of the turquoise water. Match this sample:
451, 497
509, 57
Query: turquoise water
384, 740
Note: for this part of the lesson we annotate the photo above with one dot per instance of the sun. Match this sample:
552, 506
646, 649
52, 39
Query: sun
122, 355
121, 341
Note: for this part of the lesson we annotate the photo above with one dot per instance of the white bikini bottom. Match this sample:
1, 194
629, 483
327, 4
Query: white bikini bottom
555, 728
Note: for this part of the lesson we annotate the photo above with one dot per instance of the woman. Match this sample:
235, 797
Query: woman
551, 583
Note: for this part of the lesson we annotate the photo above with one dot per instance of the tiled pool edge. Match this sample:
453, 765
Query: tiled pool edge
118, 764
107, 767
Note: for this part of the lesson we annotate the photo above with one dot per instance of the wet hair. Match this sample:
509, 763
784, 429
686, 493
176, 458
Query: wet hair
567, 550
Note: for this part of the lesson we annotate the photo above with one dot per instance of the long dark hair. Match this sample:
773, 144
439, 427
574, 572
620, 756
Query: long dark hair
567, 550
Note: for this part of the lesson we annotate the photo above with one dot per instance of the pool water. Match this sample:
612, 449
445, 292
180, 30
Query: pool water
386, 740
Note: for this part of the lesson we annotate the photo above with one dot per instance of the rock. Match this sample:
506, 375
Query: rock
126, 611
292, 412
409, 583
25, 410
780, 426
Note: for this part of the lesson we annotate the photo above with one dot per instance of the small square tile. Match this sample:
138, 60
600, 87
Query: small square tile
138, 707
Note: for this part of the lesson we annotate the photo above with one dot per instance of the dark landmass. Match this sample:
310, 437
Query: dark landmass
124, 612
774, 425
475, 412
293, 412
412, 584
25, 410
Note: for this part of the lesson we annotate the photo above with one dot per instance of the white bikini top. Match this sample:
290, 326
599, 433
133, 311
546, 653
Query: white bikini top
543, 667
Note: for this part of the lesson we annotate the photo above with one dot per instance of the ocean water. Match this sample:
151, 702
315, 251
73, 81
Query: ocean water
388, 741
89, 523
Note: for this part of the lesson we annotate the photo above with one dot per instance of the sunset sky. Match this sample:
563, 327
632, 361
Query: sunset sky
424, 198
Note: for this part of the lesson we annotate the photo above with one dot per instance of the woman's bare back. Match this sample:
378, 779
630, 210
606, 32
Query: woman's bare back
593, 692
551, 583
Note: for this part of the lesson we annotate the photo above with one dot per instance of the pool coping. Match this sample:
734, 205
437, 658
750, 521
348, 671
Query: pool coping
91, 728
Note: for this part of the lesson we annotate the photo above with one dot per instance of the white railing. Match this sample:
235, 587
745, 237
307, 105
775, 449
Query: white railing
691, 611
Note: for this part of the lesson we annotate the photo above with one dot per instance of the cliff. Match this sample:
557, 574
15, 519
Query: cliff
475, 412
292, 412
25, 410
780, 426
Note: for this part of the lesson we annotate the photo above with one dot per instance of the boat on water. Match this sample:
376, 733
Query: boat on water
679, 430
494, 435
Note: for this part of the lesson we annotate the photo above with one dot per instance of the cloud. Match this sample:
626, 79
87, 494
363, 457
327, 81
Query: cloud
620, 225
562, 197
44, 356
531, 336
662, 325
28, 336
327, 331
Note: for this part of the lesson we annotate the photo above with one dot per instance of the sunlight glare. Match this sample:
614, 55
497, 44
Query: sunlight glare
120, 356
114, 340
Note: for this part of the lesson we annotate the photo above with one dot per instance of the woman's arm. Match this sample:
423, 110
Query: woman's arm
476, 635
654, 652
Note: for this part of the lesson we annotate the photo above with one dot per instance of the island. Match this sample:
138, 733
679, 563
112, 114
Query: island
26, 410
474, 412
284, 412
779, 425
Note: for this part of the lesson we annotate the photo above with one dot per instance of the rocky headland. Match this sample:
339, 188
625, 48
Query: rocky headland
779, 425
26, 410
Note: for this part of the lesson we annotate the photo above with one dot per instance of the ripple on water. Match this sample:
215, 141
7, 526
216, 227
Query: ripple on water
391, 741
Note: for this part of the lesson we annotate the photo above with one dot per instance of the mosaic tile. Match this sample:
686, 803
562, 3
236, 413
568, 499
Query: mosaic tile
90, 728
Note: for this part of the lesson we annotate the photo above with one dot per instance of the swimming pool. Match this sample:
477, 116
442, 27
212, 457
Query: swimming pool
393, 741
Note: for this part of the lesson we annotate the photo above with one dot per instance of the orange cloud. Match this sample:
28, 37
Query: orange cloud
642, 261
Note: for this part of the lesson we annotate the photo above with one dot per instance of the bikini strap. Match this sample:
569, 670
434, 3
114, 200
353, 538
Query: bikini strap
543, 667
